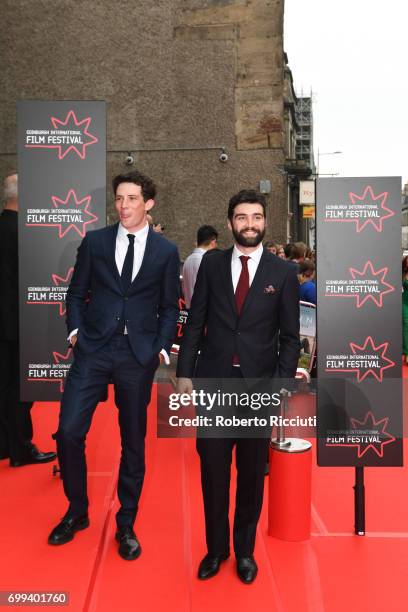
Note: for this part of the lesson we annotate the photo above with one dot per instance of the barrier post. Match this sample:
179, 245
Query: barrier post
290, 461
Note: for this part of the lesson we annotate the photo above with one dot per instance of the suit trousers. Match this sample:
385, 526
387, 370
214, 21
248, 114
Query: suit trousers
16, 429
216, 456
85, 386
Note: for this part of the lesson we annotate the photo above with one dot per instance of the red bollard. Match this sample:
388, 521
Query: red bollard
290, 479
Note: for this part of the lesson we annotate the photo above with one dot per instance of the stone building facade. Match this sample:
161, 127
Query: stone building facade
183, 80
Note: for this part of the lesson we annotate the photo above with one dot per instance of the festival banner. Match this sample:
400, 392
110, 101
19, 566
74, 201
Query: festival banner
359, 335
62, 195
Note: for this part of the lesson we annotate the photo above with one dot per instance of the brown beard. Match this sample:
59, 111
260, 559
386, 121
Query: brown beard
248, 241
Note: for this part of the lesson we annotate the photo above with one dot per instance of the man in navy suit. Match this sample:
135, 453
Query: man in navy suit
122, 309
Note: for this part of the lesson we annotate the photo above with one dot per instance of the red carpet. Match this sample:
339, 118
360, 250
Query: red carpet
332, 572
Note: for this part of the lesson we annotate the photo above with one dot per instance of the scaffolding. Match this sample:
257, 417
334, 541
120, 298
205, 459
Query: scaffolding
304, 137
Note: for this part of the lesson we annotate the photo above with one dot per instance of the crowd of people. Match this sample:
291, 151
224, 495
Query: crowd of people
297, 253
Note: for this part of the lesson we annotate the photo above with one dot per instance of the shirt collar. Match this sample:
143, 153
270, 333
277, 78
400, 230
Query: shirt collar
140, 235
255, 255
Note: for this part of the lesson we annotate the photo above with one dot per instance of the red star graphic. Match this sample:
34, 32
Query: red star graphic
58, 358
57, 124
370, 423
60, 281
71, 201
71, 122
368, 270
369, 197
369, 347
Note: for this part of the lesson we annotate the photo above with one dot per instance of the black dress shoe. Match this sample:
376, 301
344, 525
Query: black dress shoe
129, 547
33, 456
247, 569
209, 566
65, 530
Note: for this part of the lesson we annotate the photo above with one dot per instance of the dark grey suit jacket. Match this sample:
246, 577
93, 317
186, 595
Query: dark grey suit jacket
265, 336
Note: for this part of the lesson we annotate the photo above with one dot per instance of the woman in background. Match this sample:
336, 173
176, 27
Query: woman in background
280, 251
306, 275
276, 249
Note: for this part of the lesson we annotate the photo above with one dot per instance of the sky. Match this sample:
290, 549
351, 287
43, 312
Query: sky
353, 56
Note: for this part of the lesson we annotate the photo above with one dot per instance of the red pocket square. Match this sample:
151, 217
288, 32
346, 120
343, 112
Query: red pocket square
270, 289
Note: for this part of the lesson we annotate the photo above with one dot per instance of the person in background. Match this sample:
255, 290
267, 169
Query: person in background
306, 275
206, 241
405, 308
271, 247
287, 249
280, 251
158, 228
276, 249
297, 252
16, 429
309, 254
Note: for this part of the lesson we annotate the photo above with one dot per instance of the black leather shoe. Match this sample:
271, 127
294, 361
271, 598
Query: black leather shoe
65, 530
129, 546
209, 566
33, 456
247, 569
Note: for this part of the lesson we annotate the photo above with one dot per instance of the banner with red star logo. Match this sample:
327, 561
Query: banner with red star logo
62, 195
359, 316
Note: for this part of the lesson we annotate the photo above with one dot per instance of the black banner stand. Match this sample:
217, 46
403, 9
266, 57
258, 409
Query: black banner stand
359, 502
359, 327
62, 195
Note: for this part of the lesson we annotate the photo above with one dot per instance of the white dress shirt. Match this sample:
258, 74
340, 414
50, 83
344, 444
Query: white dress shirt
190, 271
122, 243
236, 265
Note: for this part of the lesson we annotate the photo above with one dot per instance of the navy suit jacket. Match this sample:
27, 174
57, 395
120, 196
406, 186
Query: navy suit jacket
96, 300
266, 334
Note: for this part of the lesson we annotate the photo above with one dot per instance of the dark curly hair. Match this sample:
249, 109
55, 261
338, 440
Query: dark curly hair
246, 196
146, 183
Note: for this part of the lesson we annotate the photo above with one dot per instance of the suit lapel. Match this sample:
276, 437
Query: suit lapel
226, 279
256, 282
148, 256
110, 248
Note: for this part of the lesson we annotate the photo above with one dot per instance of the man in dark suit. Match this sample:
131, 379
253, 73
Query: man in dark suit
244, 320
16, 429
122, 309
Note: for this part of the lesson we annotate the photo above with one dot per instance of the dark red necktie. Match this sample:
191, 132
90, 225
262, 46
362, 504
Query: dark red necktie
243, 284
241, 293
